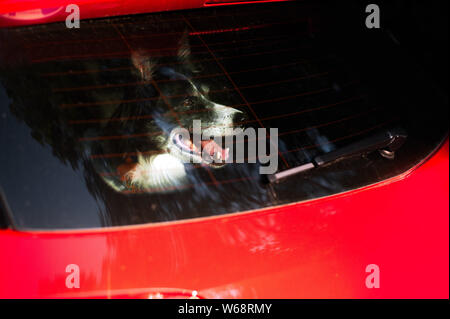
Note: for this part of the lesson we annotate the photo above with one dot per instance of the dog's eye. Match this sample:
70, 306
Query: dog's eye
188, 101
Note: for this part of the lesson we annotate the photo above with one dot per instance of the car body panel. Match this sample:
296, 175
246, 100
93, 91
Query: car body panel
17, 12
313, 249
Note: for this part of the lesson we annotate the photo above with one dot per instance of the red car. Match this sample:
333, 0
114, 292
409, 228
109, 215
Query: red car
348, 196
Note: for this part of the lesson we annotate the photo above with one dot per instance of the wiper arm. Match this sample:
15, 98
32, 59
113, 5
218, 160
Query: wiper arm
386, 142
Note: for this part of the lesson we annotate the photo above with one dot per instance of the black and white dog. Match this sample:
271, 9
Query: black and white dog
152, 155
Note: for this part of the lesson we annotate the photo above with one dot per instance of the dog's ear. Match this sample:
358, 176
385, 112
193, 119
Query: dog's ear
184, 54
184, 48
144, 64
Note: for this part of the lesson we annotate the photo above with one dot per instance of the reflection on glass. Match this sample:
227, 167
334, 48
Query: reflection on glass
87, 115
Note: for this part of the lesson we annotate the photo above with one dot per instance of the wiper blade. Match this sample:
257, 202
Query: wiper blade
386, 142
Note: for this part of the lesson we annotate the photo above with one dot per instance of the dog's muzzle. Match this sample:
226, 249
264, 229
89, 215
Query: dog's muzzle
208, 151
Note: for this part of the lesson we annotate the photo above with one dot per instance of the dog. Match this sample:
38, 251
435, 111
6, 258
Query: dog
154, 157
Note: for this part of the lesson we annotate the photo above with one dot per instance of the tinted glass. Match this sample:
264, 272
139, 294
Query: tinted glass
86, 114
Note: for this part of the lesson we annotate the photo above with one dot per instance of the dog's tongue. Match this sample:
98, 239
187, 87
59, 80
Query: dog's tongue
212, 148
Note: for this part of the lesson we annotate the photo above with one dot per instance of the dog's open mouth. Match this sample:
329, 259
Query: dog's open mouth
207, 152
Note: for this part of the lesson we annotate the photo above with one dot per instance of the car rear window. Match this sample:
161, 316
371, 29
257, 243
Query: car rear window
80, 108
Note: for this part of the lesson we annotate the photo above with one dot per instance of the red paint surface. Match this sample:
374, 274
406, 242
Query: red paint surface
20, 12
88, 9
315, 249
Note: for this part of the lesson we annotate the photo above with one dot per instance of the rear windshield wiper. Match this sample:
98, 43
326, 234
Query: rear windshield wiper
386, 142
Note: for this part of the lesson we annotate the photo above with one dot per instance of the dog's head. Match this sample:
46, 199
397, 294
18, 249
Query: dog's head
182, 98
